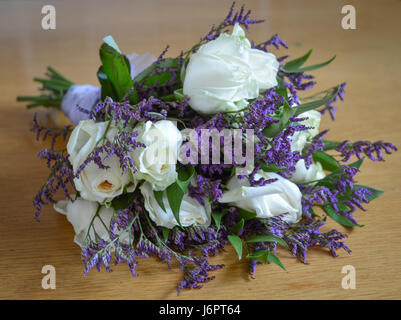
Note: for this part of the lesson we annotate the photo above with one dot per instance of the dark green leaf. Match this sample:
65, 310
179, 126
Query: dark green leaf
260, 255
117, 69
357, 164
166, 232
123, 202
338, 217
330, 145
267, 238
148, 79
185, 175
313, 67
326, 160
275, 128
238, 226
174, 196
297, 63
217, 216
315, 104
107, 88
246, 215
271, 257
159, 198
271, 168
237, 244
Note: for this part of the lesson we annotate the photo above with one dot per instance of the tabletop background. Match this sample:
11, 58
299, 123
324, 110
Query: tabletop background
368, 59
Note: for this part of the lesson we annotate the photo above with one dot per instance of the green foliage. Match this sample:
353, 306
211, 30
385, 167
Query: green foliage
176, 191
344, 221
294, 66
283, 121
54, 87
159, 198
326, 160
267, 238
217, 216
238, 226
266, 256
115, 73
236, 242
316, 103
123, 201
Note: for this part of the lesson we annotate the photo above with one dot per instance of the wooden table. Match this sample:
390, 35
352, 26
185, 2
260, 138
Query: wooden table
368, 59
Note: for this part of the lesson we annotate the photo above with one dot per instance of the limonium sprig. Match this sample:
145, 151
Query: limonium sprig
179, 157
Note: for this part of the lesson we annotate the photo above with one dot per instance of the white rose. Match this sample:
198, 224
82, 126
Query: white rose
96, 184
300, 138
226, 72
80, 214
156, 163
304, 175
279, 197
191, 211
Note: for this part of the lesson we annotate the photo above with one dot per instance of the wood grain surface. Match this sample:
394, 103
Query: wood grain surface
368, 59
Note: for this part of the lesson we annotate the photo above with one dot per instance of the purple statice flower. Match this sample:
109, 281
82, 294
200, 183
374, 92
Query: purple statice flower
330, 106
205, 188
54, 134
231, 19
315, 145
304, 236
273, 41
61, 175
373, 150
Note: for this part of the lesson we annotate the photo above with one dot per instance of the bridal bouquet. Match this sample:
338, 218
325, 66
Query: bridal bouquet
178, 157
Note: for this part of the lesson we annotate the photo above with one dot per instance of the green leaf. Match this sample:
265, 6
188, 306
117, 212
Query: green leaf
117, 69
275, 128
271, 257
338, 217
267, 238
297, 63
123, 202
246, 215
174, 196
176, 191
260, 255
166, 232
179, 94
237, 244
330, 145
185, 175
162, 77
281, 89
159, 198
217, 216
238, 226
271, 168
315, 104
313, 67
107, 88
326, 160
357, 164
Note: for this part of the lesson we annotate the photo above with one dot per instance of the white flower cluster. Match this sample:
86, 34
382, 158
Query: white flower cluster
223, 75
